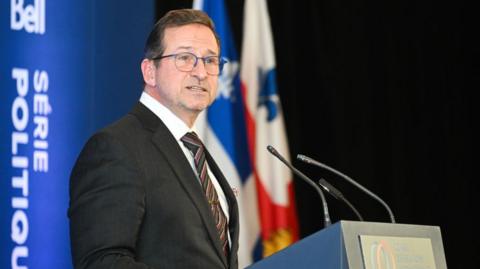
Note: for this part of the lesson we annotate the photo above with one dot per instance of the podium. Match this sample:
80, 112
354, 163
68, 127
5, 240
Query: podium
363, 245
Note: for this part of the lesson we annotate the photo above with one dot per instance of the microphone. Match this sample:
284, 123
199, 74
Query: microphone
326, 215
338, 195
309, 160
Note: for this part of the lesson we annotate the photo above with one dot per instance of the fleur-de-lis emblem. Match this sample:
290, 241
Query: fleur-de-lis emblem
225, 81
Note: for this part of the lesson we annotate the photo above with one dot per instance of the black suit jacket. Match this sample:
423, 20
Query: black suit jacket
135, 202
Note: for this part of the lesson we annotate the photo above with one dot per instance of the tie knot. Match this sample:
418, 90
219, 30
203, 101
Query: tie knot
192, 142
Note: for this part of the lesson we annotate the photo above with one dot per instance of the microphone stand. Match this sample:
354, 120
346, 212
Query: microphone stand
326, 215
371, 194
338, 195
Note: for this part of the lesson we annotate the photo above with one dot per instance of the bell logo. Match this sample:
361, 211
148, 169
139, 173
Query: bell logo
28, 17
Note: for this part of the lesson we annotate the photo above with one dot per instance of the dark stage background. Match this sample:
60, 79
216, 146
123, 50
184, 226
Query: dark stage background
380, 91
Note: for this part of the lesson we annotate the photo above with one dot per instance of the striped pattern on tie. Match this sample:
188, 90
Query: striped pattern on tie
193, 143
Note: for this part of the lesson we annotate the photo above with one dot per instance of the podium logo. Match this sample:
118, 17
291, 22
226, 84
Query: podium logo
29, 17
382, 256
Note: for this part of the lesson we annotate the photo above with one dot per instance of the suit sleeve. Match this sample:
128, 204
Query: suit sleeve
107, 204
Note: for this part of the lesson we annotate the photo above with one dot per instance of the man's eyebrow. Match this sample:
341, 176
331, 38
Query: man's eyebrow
183, 47
189, 48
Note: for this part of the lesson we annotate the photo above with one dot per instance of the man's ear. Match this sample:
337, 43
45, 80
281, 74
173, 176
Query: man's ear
148, 72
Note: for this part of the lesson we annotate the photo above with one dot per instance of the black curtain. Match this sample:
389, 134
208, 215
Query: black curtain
381, 91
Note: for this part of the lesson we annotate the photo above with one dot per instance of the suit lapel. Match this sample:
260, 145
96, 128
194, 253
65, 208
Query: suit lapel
169, 148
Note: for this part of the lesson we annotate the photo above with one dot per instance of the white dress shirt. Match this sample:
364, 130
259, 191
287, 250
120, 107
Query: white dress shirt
178, 128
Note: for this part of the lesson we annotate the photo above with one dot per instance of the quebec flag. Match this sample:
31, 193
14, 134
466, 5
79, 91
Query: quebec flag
244, 119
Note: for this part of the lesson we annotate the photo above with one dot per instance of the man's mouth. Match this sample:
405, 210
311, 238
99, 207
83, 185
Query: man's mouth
196, 88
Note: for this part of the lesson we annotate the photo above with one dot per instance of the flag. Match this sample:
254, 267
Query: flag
265, 126
238, 126
222, 127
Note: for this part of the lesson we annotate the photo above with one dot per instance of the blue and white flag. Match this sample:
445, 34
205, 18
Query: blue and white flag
223, 130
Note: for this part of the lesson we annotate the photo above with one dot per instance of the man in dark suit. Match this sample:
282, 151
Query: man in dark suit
141, 193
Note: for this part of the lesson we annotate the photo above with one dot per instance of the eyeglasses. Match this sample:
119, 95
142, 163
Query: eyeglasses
186, 61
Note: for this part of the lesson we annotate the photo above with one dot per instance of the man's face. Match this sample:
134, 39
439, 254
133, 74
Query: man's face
186, 93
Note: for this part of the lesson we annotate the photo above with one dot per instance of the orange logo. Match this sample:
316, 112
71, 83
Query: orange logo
382, 256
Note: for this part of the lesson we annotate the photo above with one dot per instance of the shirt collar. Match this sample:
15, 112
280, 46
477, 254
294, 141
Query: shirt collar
174, 124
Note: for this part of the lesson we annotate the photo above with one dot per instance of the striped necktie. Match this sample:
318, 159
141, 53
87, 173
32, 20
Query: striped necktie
193, 143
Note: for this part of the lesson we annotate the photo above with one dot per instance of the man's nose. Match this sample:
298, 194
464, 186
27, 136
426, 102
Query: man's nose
199, 69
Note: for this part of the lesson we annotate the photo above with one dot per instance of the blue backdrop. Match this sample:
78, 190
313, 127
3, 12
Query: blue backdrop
67, 68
